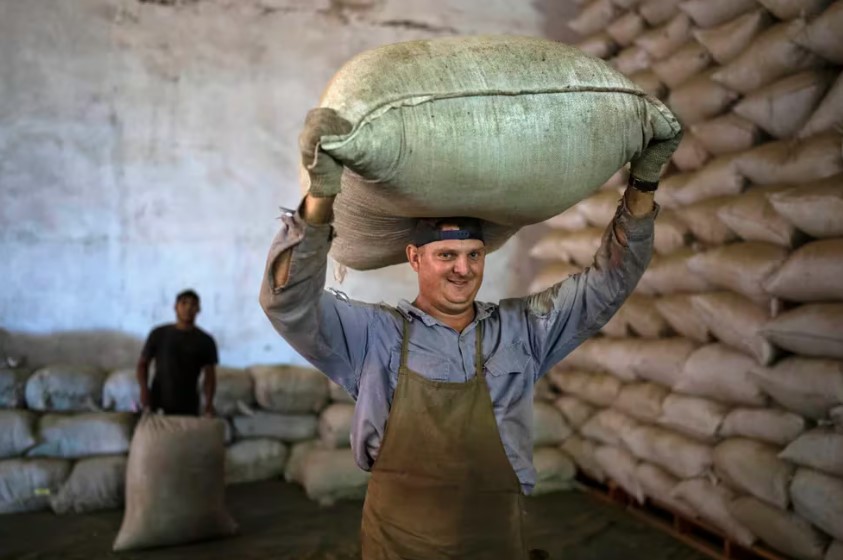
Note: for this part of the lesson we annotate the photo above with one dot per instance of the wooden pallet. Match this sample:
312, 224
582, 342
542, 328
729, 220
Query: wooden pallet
695, 533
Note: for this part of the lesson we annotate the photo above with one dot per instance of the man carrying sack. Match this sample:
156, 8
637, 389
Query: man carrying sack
444, 385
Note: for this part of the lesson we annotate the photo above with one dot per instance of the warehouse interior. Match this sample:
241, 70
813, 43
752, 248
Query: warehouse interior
151, 146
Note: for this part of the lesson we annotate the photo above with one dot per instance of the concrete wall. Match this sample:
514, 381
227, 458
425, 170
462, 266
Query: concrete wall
145, 147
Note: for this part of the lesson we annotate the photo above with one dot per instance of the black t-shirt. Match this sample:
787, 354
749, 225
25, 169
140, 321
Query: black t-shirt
179, 357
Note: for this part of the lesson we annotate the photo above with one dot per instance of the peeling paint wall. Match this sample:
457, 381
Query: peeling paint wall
145, 147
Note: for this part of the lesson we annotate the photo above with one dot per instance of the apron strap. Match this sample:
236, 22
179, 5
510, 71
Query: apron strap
405, 343
478, 353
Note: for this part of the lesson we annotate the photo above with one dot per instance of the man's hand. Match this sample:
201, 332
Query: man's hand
647, 167
324, 171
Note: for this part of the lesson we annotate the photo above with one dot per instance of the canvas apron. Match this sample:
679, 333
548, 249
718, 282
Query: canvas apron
442, 486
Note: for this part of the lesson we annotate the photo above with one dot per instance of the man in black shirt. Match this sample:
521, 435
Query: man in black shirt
181, 351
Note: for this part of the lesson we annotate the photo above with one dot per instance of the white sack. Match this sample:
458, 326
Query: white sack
671, 233
711, 504
83, 435
727, 134
781, 530
770, 425
17, 432
814, 272
813, 329
682, 65
789, 161
680, 455
608, 426
549, 426
818, 498
820, 449
554, 471
703, 219
717, 372
620, 465
681, 315
658, 484
290, 389
822, 35
235, 391
670, 275
807, 386
815, 208
753, 218
755, 468
284, 427
598, 389
582, 452
642, 401
94, 484
254, 459
662, 360
828, 115
329, 475
121, 391
65, 388
709, 13
736, 322
294, 470
693, 416
335, 425
26, 484
728, 40
13, 387
575, 411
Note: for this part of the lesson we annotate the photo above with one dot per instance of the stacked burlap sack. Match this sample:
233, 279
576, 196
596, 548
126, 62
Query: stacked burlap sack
717, 390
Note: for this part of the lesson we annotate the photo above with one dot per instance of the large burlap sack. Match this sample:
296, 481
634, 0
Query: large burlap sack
693, 416
290, 389
638, 316
691, 154
657, 12
335, 425
682, 65
549, 426
725, 42
822, 35
782, 530
670, 274
727, 134
717, 372
599, 45
786, 161
835, 551
754, 467
814, 329
818, 498
664, 40
813, 273
701, 98
657, 484
577, 247
792, 9
401, 167
807, 386
620, 465
737, 322
329, 475
575, 411
121, 391
711, 501
284, 427
820, 449
703, 220
254, 459
175, 483
815, 208
26, 484
554, 471
13, 387
741, 267
235, 391
770, 425
83, 435
709, 13
671, 233
661, 361
783, 107
582, 452
828, 115
680, 455
631, 60
626, 28
753, 218
594, 16
772, 55
65, 388
338, 394
595, 388
643, 401
608, 426
681, 315
719, 177
17, 432
550, 274
94, 484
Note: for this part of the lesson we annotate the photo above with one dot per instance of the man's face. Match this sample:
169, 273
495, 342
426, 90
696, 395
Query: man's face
186, 310
450, 272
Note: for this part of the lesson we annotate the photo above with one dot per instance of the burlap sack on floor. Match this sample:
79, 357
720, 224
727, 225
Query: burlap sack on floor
489, 156
582, 452
680, 313
637, 316
642, 400
682, 456
594, 16
27, 484
820, 449
828, 116
736, 322
657, 12
701, 98
702, 218
335, 425
661, 361
719, 177
791, 162
671, 234
235, 391
783, 107
608, 426
620, 465
575, 411
121, 391
65, 388
711, 501
727, 134
822, 35
290, 389
599, 45
554, 471
725, 42
710, 13
753, 467
284, 427
175, 484
815, 207
74, 436
753, 218
665, 39
814, 272
13, 387
741, 267
294, 469
717, 372
254, 459
770, 425
17, 432
682, 65
329, 475
814, 329
95, 484
658, 486
808, 386
598, 389
693, 416
772, 55
626, 28
818, 498
670, 274
782, 530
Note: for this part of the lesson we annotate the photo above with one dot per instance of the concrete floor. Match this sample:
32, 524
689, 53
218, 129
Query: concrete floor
278, 521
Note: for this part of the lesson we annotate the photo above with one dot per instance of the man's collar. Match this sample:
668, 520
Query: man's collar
482, 311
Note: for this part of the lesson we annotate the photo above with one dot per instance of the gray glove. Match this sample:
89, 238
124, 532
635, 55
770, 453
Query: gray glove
325, 172
647, 167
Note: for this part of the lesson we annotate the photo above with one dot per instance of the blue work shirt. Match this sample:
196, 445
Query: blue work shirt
358, 345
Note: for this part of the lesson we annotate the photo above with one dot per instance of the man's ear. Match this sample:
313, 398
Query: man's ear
413, 256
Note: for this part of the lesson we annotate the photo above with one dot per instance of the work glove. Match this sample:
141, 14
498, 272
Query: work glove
645, 169
324, 171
